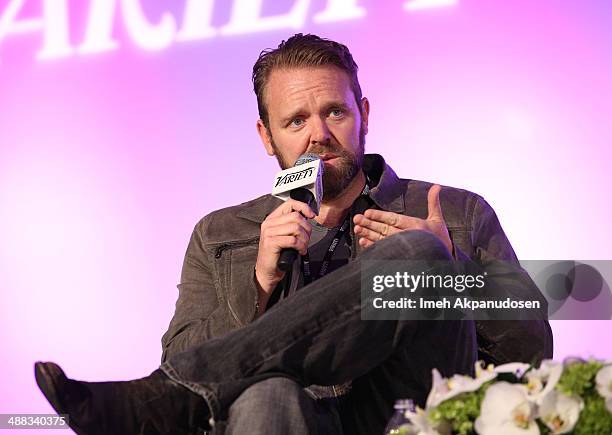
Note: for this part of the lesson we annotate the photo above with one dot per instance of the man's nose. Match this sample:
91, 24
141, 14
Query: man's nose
320, 133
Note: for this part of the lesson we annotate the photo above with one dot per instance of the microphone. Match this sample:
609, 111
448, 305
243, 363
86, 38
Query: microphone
303, 182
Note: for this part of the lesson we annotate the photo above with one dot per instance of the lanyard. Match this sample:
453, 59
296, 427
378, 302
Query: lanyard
332, 247
328, 254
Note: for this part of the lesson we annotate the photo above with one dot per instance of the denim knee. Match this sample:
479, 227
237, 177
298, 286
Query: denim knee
276, 405
270, 392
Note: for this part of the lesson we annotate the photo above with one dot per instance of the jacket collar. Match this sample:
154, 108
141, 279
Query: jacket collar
386, 191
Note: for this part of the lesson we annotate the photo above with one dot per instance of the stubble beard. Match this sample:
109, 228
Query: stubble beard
336, 178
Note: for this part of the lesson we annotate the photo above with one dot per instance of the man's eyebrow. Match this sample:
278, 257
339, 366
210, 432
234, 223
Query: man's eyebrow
291, 116
335, 105
339, 104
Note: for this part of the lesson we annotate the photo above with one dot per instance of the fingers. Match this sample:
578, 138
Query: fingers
366, 233
289, 218
375, 225
365, 226
434, 209
289, 229
286, 231
387, 223
299, 243
365, 243
292, 205
384, 217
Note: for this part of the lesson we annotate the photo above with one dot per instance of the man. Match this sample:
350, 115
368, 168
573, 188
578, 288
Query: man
251, 349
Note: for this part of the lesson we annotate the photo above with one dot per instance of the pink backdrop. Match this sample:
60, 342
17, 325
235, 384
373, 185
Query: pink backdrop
116, 137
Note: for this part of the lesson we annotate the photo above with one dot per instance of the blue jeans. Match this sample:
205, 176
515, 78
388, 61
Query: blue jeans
280, 406
317, 337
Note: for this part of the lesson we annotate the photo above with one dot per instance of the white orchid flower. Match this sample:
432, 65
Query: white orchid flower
420, 424
604, 385
507, 410
443, 389
560, 412
543, 380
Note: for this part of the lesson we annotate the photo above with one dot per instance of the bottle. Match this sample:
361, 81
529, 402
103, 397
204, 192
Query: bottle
400, 423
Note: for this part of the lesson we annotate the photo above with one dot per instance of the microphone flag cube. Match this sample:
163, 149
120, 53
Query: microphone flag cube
307, 174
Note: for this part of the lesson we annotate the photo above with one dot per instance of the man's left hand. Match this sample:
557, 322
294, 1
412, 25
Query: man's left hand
375, 225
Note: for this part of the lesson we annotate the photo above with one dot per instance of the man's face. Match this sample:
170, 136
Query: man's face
313, 110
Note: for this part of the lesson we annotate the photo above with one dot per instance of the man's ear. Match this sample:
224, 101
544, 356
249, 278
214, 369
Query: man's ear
365, 114
266, 139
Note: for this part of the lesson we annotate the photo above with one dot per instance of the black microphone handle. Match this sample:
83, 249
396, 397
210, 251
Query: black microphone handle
289, 255
286, 259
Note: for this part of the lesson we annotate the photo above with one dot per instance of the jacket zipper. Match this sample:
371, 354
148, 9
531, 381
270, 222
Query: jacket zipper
219, 250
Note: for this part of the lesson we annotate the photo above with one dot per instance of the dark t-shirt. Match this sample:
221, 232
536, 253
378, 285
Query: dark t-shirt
320, 241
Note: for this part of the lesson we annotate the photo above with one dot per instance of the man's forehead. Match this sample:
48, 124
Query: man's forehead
286, 84
330, 71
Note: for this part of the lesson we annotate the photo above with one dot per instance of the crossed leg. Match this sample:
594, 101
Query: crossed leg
315, 337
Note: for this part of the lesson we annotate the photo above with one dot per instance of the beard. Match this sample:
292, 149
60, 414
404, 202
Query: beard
336, 178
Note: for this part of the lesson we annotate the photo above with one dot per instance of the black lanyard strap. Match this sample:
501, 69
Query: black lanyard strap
332, 246
328, 254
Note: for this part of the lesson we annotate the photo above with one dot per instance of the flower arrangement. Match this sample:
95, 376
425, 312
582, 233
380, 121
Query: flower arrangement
573, 397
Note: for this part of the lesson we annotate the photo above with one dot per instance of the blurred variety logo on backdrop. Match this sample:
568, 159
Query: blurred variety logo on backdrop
195, 23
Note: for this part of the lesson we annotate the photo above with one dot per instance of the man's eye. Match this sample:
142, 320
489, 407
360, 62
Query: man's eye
297, 122
336, 113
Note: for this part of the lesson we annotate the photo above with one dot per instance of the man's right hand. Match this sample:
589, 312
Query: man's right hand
285, 227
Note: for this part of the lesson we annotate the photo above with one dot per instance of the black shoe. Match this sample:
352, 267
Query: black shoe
151, 405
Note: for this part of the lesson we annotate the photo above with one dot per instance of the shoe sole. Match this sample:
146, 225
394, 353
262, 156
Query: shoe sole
47, 383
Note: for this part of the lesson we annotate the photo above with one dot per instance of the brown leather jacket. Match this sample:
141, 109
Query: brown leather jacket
217, 292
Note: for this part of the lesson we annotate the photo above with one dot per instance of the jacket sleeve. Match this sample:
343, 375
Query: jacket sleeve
201, 311
502, 341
